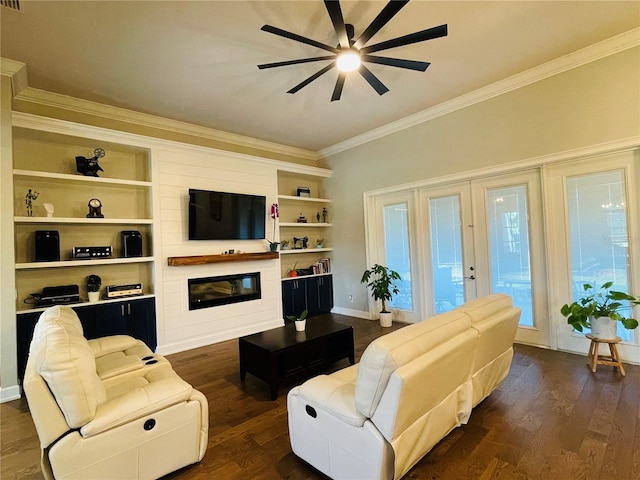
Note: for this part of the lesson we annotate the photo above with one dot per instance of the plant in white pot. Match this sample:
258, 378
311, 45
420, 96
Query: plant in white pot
381, 281
599, 310
93, 287
300, 321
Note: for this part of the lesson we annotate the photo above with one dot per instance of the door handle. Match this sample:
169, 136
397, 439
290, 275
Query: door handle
471, 277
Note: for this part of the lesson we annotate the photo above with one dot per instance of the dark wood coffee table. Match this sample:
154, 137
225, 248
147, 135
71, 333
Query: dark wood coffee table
284, 354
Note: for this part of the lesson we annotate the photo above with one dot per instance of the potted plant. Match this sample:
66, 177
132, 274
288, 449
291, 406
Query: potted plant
599, 310
300, 322
381, 281
275, 213
93, 287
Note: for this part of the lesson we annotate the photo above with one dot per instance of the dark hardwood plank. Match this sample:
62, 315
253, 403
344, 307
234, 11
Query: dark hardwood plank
550, 419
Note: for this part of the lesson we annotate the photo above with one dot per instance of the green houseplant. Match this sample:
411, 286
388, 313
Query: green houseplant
599, 302
300, 321
381, 281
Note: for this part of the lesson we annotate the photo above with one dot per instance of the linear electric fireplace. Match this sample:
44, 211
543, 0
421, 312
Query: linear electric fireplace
215, 291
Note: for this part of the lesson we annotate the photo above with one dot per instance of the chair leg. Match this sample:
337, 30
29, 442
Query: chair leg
616, 357
594, 358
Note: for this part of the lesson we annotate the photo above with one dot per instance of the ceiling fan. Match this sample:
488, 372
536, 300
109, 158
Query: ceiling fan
350, 53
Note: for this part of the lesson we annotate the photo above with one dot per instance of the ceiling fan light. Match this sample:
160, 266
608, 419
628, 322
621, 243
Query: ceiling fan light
348, 61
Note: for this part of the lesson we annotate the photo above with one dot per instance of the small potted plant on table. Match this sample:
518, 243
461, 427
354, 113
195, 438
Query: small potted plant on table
599, 310
381, 281
300, 322
93, 287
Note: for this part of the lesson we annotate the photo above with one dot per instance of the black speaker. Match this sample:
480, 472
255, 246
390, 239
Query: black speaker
47, 246
131, 243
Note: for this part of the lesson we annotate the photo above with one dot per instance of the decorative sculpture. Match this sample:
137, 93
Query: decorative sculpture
89, 167
304, 241
28, 200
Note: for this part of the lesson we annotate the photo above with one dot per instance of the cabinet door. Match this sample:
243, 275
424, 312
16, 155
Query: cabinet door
319, 294
24, 333
141, 321
294, 297
111, 319
325, 293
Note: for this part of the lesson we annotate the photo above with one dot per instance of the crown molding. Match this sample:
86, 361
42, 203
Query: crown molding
18, 73
589, 54
64, 127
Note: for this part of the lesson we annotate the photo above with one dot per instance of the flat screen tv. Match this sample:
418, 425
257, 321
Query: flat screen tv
226, 216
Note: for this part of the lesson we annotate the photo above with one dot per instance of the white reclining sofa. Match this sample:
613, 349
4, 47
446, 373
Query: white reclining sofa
378, 418
108, 408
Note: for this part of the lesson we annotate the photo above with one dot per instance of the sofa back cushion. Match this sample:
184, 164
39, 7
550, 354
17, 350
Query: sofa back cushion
389, 352
64, 359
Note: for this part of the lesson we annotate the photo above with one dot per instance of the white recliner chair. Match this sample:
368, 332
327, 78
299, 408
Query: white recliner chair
137, 419
377, 419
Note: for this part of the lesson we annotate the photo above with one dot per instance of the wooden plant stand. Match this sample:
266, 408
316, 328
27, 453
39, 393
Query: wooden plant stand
595, 359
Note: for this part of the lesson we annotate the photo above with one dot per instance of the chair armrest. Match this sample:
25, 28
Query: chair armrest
113, 343
137, 403
334, 396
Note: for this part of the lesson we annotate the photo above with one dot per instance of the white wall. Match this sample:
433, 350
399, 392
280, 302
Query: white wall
175, 171
593, 104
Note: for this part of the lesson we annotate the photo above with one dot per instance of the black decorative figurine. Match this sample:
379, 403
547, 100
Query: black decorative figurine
89, 167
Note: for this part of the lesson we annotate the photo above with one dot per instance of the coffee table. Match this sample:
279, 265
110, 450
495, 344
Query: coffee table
285, 354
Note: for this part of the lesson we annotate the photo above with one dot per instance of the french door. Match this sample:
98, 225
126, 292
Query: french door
593, 237
469, 239
486, 236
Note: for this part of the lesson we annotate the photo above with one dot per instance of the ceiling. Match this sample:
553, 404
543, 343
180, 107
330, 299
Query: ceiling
196, 61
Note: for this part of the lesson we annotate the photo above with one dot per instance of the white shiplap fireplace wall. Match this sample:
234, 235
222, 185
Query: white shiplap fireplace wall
175, 172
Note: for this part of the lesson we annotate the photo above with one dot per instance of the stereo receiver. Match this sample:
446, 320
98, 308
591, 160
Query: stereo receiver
81, 253
116, 291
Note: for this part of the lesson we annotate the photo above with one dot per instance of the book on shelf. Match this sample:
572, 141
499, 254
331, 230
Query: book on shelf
323, 265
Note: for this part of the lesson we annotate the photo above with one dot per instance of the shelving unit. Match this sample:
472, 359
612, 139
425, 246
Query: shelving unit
311, 292
44, 162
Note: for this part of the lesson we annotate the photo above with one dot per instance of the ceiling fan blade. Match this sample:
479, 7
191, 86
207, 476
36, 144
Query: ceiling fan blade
333, 8
377, 85
337, 91
380, 21
312, 78
397, 62
421, 36
298, 38
295, 62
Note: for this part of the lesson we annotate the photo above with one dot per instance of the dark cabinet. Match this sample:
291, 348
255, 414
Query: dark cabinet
314, 294
294, 297
134, 317
319, 294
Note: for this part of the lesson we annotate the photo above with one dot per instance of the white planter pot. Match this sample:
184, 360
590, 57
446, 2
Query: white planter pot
603, 327
94, 296
386, 319
300, 325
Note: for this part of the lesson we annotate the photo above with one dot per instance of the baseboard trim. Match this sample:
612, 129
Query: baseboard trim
8, 394
352, 313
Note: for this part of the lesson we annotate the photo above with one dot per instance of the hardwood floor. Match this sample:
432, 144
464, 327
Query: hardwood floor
550, 419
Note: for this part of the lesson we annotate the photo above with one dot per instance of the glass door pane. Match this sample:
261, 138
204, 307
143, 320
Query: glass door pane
508, 231
446, 252
598, 239
396, 241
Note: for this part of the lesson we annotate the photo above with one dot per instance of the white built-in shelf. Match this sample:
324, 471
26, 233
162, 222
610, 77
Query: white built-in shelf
305, 225
85, 221
86, 304
78, 178
82, 263
293, 198
298, 277
304, 250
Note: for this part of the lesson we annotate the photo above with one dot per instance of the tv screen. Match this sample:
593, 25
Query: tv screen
226, 216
